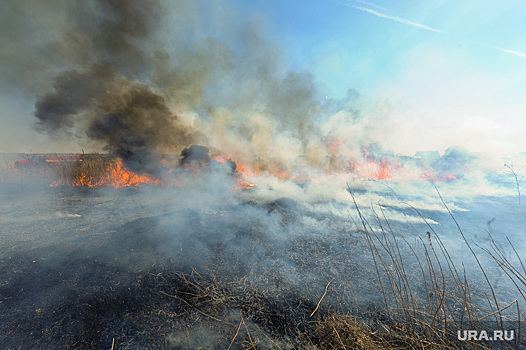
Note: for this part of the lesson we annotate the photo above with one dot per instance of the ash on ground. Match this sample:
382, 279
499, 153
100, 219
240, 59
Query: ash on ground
181, 268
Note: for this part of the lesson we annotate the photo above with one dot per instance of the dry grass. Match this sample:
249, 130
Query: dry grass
93, 165
427, 297
234, 314
344, 332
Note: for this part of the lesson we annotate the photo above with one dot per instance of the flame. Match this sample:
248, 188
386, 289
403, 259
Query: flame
222, 159
243, 170
429, 175
341, 159
118, 176
246, 170
383, 171
243, 185
333, 145
360, 164
114, 176
283, 175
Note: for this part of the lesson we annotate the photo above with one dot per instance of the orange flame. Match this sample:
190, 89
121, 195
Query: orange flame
115, 176
340, 160
383, 171
244, 185
432, 176
241, 171
222, 159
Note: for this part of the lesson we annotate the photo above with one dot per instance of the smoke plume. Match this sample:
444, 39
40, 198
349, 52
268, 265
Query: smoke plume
139, 84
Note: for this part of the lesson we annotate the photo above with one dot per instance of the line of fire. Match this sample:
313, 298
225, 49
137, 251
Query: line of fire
100, 170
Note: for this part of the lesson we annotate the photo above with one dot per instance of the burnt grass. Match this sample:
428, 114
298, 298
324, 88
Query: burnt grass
100, 269
129, 269
109, 306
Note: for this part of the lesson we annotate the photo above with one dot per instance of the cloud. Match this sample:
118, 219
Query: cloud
396, 19
415, 24
516, 53
370, 4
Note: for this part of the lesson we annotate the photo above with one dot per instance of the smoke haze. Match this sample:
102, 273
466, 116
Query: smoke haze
203, 86
142, 78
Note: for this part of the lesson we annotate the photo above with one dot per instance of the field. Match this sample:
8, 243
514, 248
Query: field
203, 266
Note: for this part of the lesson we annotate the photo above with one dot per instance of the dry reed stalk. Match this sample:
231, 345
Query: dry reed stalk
235, 335
323, 296
449, 296
253, 346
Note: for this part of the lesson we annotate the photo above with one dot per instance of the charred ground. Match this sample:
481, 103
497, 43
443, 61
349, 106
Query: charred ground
202, 266
85, 268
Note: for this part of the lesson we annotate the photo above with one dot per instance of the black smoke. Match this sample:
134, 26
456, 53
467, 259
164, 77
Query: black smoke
103, 97
195, 153
132, 69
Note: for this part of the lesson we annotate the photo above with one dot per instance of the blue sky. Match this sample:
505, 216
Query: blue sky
370, 39
441, 72
430, 74
309, 27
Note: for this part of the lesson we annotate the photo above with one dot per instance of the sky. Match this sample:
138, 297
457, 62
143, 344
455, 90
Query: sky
446, 73
425, 75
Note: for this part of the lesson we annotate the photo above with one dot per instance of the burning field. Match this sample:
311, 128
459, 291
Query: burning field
208, 253
224, 203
